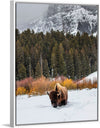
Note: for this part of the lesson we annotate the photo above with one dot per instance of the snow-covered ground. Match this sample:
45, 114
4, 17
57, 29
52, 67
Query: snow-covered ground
82, 106
92, 77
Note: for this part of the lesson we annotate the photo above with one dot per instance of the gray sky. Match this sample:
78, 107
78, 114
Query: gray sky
25, 12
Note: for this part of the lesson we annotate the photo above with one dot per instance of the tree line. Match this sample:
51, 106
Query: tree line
55, 54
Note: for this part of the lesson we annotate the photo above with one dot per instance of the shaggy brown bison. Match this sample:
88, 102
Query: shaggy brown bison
58, 96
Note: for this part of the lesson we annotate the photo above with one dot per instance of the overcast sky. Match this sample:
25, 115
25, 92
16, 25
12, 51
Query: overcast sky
25, 12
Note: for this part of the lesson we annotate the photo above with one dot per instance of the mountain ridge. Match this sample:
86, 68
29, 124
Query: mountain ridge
67, 18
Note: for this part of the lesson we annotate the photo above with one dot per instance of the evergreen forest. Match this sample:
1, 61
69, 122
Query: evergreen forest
55, 54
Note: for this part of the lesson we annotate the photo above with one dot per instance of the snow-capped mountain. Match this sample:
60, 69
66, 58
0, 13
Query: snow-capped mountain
67, 18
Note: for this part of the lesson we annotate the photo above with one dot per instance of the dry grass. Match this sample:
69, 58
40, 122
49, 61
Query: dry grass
87, 84
41, 85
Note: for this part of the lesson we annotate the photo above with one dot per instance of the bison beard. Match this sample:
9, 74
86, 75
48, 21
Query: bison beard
58, 96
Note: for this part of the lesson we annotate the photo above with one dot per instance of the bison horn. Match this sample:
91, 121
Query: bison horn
48, 92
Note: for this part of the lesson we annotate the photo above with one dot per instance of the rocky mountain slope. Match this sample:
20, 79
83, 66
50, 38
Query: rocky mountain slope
67, 18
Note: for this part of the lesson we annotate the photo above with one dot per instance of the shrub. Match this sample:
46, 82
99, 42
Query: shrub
20, 91
40, 86
26, 83
69, 84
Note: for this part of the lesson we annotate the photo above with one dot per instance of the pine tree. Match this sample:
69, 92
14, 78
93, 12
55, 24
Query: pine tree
77, 65
38, 70
26, 59
21, 71
45, 68
70, 64
19, 57
17, 34
93, 58
78, 39
53, 63
85, 64
62, 65
57, 58
88, 69
19, 53
34, 53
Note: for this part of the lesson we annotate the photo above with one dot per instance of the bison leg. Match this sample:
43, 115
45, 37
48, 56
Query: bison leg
64, 102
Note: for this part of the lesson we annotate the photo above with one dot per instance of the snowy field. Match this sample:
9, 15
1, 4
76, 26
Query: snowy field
82, 106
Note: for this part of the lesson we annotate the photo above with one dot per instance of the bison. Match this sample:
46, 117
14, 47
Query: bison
58, 96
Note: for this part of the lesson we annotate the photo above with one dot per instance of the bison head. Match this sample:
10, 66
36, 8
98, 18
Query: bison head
54, 96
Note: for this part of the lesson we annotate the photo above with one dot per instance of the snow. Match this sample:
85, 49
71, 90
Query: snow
92, 77
95, 34
82, 106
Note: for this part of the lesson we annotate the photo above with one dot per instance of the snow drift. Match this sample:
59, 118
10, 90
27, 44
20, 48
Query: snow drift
92, 77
